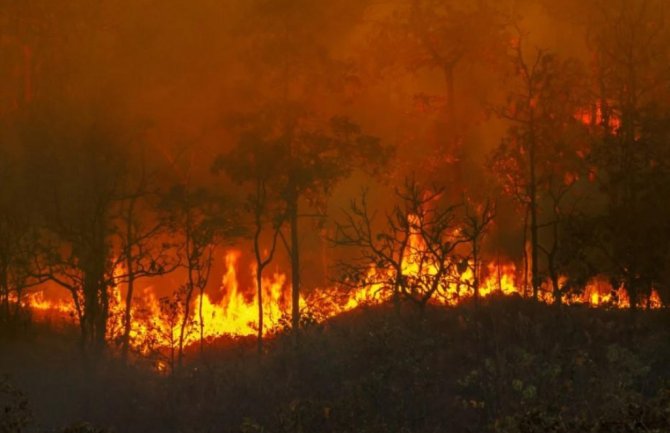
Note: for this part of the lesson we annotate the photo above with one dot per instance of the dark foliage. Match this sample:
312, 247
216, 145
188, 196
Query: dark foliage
507, 366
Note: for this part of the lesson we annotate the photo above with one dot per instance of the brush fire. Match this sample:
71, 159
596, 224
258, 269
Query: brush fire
334, 216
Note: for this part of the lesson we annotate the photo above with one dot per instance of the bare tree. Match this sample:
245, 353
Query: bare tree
628, 40
18, 238
476, 222
254, 161
79, 167
413, 255
308, 158
145, 246
541, 108
201, 219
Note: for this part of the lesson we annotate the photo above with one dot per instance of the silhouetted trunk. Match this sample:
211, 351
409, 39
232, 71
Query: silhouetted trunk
396, 300
101, 328
202, 323
187, 300
534, 271
259, 264
551, 262
262, 262
259, 285
532, 196
295, 266
80, 316
131, 280
127, 313
184, 321
96, 307
525, 254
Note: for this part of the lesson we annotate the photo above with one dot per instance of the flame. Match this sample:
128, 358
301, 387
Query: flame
37, 301
594, 116
156, 322
237, 312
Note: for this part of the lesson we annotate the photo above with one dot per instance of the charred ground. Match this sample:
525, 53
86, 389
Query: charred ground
509, 365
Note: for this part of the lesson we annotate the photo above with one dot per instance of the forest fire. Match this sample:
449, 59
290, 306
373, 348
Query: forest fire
236, 313
335, 216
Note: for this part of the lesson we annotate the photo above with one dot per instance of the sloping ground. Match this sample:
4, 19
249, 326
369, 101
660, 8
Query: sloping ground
508, 366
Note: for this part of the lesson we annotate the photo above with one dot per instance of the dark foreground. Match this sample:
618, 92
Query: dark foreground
509, 366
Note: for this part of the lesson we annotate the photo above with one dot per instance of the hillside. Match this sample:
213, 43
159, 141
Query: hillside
508, 366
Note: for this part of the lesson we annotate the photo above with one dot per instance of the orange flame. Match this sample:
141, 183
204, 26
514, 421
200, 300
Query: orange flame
237, 311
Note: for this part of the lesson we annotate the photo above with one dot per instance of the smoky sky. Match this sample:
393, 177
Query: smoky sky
173, 72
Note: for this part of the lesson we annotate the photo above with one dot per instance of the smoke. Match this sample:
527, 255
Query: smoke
174, 71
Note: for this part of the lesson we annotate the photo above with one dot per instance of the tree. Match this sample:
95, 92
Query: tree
145, 248
628, 40
78, 163
413, 255
200, 218
476, 222
566, 247
311, 157
254, 161
542, 110
18, 236
293, 65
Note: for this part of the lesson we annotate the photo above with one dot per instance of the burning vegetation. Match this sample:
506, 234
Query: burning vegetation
213, 193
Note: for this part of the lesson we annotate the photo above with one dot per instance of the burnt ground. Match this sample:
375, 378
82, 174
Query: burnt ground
507, 366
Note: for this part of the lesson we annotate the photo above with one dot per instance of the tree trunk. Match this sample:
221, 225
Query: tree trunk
184, 321
202, 323
94, 299
189, 289
525, 255
131, 280
532, 195
295, 268
259, 285
127, 312
259, 264
534, 270
101, 331
475, 270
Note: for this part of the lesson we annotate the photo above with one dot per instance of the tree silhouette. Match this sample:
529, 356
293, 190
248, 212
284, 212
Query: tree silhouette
413, 255
254, 161
79, 171
629, 45
542, 142
146, 249
200, 218
476, 222
309, 158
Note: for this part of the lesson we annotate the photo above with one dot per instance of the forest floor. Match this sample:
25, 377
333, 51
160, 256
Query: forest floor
508, 365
